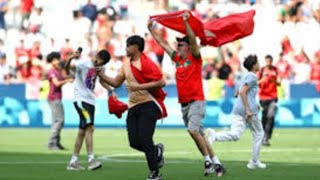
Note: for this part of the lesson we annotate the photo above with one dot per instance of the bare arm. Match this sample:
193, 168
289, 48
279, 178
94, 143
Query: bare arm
114, 82
59, 83
162, 42
243, 95
74, 55
192, 38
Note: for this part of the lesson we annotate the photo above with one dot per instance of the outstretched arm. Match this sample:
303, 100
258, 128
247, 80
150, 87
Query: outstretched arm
114, 82
192, 38
162, 42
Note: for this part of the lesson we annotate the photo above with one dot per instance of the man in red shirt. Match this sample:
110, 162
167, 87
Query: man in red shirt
190, 93
268, 82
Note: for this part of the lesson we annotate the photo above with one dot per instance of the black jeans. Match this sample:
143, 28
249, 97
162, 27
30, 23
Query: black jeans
268, 116
141, 123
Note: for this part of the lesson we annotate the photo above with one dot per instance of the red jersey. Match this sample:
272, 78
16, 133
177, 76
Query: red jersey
283, 69
268, 88
188, 77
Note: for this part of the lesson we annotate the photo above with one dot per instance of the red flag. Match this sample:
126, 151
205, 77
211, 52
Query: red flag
216, 32
174, 21
230, 28
116, 107
151, 72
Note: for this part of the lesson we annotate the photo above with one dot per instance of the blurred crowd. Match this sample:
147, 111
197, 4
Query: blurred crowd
288, 30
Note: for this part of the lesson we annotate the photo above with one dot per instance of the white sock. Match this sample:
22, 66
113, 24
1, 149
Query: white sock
90, 157
74, 158
215, 159
159, 151
207, 158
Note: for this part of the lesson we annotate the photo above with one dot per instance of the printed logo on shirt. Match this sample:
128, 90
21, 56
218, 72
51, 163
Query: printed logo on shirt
91, 79
183, 64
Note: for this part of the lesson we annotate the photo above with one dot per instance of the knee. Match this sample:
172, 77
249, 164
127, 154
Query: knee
89, 129
235, 136
81, 133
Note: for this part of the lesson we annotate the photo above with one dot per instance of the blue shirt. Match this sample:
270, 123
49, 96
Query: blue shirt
251, 80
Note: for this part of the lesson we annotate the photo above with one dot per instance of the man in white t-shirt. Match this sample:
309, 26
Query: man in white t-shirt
84, 100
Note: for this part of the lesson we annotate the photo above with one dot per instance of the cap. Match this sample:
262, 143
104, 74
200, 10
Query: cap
183, 39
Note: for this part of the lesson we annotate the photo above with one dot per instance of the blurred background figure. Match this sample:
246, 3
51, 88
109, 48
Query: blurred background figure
268, 82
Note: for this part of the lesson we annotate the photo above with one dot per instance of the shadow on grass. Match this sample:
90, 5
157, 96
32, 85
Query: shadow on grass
25, 166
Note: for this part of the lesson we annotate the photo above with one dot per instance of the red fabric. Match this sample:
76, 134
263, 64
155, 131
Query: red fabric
150, 72
174, 21
188, 78
116, 107
268, 88
230, 28
226, 29
283, 69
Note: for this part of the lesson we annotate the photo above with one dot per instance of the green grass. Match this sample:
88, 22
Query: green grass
293, 154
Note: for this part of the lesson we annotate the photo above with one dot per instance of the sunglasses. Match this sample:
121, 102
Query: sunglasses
181, 44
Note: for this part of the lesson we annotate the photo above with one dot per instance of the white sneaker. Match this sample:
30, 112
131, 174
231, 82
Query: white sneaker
255, 165
75, 166
210, 135
94, 164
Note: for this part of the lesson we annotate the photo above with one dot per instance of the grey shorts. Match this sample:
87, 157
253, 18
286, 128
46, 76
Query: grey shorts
193, 115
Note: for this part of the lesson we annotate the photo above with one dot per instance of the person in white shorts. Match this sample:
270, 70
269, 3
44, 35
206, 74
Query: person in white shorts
245, 111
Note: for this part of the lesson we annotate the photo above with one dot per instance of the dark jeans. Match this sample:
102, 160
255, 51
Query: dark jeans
141, 123
268, 115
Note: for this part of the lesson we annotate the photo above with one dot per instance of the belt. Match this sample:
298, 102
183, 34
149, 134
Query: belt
187, 103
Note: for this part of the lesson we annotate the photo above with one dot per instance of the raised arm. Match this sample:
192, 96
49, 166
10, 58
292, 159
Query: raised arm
71, 57
162, 42
191, 36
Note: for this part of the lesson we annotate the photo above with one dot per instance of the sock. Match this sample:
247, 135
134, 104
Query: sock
74, 158
159, 151
90, 157
215, 159
207, 158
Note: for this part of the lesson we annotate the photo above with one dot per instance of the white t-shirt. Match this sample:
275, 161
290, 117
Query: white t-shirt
85, 80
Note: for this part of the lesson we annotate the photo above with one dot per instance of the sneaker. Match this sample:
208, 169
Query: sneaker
255, 165
219, 169
210, 135
265, 142
55, 148
208, 168
61, 147
154, 175
94, 164
75, 166
160, 157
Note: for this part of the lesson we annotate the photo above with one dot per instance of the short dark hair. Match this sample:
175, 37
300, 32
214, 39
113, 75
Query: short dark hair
53, 55
269, 57
104, 55
136, 40
183, 39
250, 61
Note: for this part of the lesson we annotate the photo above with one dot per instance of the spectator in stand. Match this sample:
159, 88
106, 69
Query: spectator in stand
283, 67
315, 71
4, 68
268, 82
3, 10
36, 20
25, 9
89, 10
66, 50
